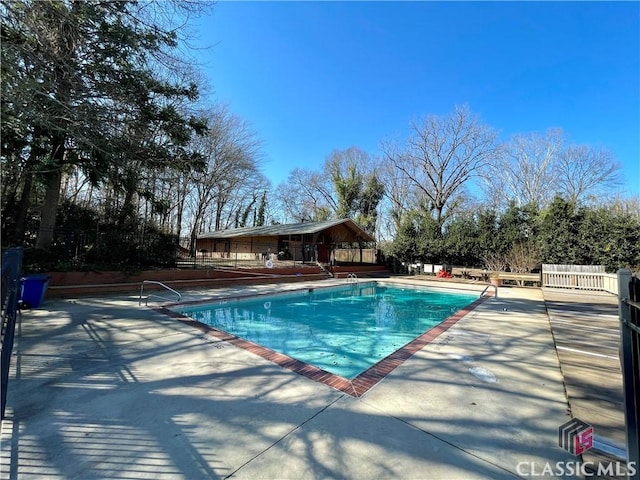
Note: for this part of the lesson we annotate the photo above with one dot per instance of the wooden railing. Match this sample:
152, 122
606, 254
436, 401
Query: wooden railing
610, 283
581, 280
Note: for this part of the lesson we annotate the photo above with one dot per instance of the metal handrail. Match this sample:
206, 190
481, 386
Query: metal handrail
487, 288
156, 296
352, 277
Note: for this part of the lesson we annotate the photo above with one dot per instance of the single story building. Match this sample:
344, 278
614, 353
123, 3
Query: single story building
307, 241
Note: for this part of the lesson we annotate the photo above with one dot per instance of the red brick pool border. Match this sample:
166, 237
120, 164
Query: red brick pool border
355, 387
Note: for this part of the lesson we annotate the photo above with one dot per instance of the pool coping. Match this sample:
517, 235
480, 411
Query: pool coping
355, 387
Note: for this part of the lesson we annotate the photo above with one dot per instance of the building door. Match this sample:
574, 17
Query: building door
324, 251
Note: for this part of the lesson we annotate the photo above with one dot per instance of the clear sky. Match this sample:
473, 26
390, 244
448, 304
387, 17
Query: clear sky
311, 77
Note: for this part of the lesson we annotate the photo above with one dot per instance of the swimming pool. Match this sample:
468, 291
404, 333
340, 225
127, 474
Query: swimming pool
342, 330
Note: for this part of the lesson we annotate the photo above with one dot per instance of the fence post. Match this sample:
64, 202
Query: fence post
630, 372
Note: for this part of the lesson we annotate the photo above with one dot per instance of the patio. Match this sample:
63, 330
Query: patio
102, 388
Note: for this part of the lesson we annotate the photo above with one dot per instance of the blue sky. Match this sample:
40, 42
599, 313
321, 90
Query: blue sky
311, 77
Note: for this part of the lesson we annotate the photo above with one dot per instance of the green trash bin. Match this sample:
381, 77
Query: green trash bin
33, 290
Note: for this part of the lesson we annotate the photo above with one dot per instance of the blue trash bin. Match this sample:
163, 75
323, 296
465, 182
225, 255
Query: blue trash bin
33, 289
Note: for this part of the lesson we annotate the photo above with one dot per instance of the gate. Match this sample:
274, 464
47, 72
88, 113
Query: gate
629, 303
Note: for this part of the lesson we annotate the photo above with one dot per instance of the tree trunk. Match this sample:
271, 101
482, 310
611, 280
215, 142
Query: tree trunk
218, 221
23, 206
179, 208
49, 210
58, 135
127, 211
27, 186
192, 242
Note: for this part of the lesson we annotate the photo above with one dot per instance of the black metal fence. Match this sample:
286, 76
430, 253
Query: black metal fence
11, 272
107, 249
629, 303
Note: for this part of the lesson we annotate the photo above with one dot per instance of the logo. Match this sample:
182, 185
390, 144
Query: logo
575, 436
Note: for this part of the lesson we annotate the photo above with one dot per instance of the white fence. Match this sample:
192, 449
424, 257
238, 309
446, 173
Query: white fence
580, 279
554, 267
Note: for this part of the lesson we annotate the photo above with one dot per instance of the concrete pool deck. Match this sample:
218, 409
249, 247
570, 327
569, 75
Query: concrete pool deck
102, 388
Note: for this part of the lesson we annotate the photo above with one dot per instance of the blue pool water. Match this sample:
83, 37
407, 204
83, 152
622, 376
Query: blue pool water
343, 330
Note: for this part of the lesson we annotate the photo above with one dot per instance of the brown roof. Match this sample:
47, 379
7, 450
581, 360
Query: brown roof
343, 230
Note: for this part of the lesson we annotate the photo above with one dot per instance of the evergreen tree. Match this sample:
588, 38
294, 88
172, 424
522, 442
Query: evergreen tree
260, 215
85, 85
559, 227
609, 238
461, 241
370, 197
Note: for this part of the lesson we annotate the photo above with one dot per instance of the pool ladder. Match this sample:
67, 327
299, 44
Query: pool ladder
156, 296
352, 278
487, 288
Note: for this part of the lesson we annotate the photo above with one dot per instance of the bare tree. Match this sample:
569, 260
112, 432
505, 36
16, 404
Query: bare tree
494, 262
232, 152
523, 257
523, 171
625, 206
400, 197
582, 172
534, 168
442, 154
306, 196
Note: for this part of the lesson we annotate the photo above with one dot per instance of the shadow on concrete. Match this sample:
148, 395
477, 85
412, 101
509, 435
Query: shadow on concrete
108, 390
